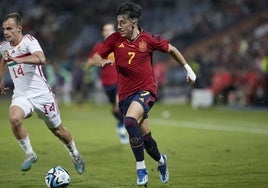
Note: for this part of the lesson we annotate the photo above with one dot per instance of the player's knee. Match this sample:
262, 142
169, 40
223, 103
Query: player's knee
130, 122
16, 116
15, 120
58, 131
135, 135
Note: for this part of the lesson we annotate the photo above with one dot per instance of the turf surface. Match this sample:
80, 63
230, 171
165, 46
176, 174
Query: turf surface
216, 147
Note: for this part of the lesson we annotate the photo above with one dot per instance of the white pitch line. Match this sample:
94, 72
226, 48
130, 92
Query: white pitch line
217, 127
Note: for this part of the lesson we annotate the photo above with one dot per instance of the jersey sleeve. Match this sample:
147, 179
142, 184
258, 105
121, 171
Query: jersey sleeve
95, 50
159, 43
108, 45
33, 44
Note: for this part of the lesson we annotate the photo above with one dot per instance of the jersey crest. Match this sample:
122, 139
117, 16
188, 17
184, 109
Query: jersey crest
142, 46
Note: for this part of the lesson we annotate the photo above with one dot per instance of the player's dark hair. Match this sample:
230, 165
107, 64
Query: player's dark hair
132, 10
16, 16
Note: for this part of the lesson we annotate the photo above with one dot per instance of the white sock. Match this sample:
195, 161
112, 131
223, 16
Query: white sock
140, 165
25, 144
71, 148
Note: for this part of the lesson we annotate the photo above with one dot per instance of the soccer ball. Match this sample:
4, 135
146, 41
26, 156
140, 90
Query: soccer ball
57, 177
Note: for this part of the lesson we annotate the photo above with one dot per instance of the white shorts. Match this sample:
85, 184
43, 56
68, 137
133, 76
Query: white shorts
45, 106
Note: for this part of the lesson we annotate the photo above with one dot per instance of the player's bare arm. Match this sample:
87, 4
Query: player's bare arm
89, 63
174, 52
3, 69
97, 60
36, 58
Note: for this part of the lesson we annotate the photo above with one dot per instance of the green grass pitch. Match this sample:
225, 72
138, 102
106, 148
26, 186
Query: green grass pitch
216, 147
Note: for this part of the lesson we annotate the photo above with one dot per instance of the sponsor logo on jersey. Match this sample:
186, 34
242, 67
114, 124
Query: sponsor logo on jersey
141, 99
121, 45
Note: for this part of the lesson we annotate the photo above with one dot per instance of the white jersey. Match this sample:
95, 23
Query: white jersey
28, 79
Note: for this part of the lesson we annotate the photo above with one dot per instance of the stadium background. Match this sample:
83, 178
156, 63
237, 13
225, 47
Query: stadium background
226, 43
212, 147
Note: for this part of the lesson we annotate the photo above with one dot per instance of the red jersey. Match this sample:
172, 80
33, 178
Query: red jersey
133, 61
108, 72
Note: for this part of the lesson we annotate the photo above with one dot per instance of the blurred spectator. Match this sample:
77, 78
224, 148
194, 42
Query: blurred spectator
160, 77
67, 30
264, 70
50, 75
78, 82
64, 84
221, 82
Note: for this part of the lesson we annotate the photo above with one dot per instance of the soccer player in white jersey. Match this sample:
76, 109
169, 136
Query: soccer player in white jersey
24, 57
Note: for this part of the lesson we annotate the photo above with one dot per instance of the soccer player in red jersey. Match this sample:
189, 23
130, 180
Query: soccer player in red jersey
133, 49
109, 81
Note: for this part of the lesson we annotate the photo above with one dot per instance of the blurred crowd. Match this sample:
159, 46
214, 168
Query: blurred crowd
233, 66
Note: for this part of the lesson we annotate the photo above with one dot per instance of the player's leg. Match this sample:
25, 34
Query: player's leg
47, 109
65, 137
21, 108
134, 114
151, 148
